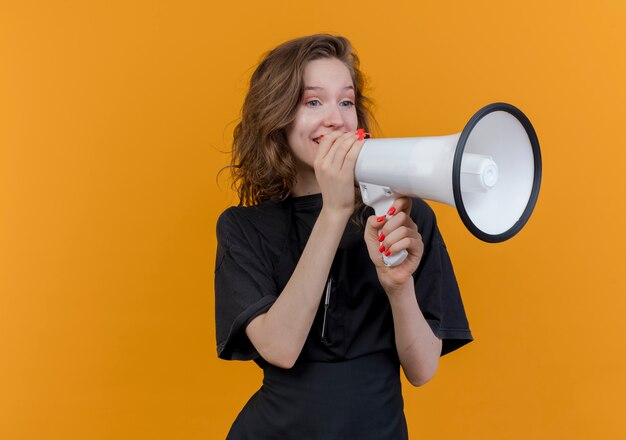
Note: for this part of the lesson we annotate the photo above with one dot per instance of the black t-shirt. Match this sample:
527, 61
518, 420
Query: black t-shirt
258, 249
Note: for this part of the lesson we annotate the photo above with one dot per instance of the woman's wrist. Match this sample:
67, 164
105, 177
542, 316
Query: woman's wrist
335, 217
399, 292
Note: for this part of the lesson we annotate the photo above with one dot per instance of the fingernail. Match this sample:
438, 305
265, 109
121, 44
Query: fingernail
391, 211
381, 237
361, 133
381, 248
381, 218
387, 253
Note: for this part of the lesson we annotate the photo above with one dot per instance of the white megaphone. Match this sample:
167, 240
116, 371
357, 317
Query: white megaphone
491, 172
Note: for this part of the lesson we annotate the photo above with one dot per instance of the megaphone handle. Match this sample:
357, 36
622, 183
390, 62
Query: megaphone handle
395, 259
381, 199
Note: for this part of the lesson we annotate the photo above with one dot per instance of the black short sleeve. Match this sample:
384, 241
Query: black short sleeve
244, 286
436, 287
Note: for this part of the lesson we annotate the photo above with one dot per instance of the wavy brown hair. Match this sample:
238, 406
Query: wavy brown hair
263, 166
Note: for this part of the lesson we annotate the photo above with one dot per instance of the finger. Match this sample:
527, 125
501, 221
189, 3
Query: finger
398, 227
325, 145
413, 245
372, 230
340, 148
371, 234
353, 155
401, 204
397, 220
374, 225
398, 235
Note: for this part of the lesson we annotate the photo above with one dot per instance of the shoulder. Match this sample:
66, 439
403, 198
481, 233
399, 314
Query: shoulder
421, 208
422, 214
426, 221
265, 220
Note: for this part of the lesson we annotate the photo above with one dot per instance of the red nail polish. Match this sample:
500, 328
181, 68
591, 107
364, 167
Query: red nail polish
381, 248
387, 253
381, 218
381, 237
361, 137
391, 211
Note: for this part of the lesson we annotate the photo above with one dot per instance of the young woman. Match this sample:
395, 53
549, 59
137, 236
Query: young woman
300, 284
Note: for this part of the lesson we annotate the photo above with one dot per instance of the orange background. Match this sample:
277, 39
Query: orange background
114, 116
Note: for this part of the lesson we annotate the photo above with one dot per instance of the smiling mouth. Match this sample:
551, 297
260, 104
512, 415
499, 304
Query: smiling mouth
317, 140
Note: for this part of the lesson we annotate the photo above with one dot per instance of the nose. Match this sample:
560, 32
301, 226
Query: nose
333, 117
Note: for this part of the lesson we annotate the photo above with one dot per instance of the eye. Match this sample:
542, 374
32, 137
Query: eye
346, 103
313, 103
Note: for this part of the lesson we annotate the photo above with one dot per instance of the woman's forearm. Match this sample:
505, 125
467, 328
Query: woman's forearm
280, 333
418, 347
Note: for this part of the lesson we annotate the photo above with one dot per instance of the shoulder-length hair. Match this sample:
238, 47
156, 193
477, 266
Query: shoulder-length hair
262, 164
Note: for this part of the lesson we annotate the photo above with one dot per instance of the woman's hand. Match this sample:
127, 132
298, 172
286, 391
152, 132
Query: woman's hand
334, 164
388, 235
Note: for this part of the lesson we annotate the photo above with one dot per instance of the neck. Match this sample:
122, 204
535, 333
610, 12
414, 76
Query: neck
306, 184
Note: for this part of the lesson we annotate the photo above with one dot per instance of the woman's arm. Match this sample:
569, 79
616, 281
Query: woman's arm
418, 347
280, 333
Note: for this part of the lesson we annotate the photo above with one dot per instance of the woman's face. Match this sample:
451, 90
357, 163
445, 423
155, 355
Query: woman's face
327, 105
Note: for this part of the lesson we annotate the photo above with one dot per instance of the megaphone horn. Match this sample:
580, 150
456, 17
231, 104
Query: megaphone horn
491, 172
